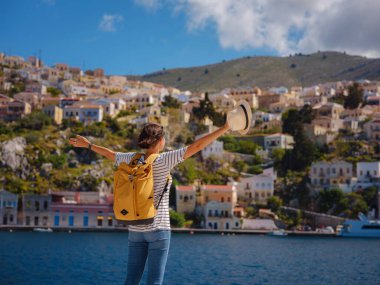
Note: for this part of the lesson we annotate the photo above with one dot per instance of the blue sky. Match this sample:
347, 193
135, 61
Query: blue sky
142, 36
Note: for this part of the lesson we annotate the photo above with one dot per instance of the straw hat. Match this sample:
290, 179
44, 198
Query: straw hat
240, 118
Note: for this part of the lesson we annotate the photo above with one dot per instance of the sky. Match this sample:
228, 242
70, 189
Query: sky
126, 37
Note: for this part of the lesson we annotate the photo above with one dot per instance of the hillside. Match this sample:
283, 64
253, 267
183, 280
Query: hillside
265, 71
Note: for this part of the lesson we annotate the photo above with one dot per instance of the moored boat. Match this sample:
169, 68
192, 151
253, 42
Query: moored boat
279, 232
43, 230
360, 228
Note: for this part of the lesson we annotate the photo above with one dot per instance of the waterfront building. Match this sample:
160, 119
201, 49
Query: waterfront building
8, 208
36, 210
220, 215
185, 199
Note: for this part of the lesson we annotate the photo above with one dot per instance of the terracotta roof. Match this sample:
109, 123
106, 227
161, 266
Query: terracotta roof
185, 187
217, 187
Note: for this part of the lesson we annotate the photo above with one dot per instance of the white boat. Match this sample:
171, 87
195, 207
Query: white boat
279, 232
43, 230
360, 228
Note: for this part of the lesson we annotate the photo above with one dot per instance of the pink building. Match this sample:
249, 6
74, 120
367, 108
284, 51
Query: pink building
80, 214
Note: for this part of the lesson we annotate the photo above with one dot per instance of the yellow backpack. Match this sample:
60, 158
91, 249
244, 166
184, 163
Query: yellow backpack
133, 191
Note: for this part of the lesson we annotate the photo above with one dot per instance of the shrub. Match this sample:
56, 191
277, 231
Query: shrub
176, 219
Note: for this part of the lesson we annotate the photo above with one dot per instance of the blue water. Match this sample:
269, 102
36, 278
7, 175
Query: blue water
100, 258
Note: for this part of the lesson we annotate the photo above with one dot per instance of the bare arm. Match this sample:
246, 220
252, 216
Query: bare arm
205, 141
80, 141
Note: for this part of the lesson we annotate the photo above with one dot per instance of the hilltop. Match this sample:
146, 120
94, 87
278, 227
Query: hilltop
269, 71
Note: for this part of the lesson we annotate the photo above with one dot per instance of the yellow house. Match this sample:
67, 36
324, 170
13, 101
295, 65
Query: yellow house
185, 199
219, 193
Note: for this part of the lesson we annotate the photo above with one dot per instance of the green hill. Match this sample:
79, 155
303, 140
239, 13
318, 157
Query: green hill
269, 71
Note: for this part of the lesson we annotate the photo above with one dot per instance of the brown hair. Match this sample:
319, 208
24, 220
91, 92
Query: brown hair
150, 135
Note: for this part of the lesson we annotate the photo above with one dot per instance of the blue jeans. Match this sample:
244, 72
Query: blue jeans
152, 245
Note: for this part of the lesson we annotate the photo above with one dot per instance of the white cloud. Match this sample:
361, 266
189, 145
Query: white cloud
108, 22
285, 26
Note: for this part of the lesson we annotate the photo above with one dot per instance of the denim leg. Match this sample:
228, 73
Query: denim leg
137, 254
159, 242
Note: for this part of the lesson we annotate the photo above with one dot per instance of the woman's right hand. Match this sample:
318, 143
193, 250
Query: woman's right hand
79, 141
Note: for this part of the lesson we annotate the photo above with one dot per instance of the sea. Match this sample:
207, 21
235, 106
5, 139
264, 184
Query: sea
100, 258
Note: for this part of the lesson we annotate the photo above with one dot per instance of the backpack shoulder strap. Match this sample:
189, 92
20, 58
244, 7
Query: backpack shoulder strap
135, 158
164, 190
151, 158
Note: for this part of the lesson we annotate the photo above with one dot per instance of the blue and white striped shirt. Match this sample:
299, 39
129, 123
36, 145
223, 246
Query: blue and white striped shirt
162, 166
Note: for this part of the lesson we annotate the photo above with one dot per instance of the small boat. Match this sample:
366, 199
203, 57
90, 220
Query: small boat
280, 232
360, 228
43, 230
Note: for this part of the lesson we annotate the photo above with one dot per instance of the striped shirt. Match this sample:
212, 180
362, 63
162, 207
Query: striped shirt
161, 169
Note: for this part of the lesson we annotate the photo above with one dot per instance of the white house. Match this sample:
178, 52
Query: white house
220, 215
78, 90
86, 114
367, 171
214, 149
278, 141
257, 187
265, 117
108, 106
331, 174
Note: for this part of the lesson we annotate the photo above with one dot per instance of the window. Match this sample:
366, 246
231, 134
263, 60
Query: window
37, 205
180, 197
45, 205
222, 200
210, 213
27, 220
229, 199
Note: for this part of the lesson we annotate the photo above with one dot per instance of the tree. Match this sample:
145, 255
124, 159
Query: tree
274, 203
171, 102
354, 98
53, 91
332, 201
206, 108
356, 205
176, 219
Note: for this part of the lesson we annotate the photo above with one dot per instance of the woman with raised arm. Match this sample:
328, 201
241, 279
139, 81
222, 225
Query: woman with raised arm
151, 242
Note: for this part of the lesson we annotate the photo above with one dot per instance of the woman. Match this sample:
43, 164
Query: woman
152, 241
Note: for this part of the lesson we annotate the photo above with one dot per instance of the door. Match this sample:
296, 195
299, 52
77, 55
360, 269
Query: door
56, 220
71, 221
85, 221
